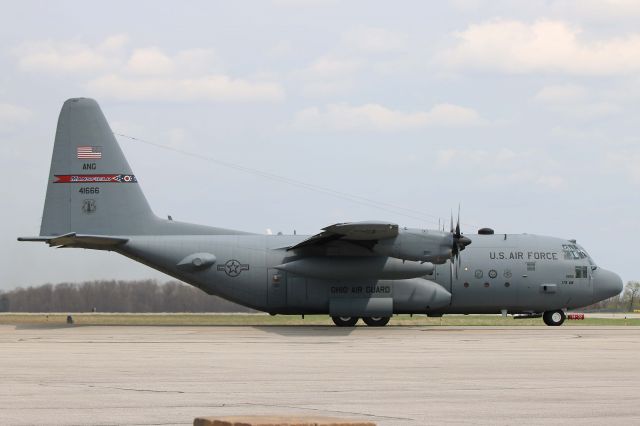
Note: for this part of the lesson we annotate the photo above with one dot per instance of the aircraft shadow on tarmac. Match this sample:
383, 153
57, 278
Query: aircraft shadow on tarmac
282, 330
305, 330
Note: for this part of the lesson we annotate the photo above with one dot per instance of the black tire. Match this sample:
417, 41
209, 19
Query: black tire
554, 318
345, 321
376, 321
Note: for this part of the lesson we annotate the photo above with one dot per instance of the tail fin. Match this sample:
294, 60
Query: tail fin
91, 188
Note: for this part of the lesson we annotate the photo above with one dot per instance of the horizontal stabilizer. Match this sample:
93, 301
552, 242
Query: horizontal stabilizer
79, 240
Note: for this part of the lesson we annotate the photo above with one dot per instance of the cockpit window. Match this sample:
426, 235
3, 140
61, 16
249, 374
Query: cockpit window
570, 252
575, 252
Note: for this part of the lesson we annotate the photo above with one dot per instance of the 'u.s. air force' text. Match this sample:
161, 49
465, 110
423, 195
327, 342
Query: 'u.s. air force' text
523, 255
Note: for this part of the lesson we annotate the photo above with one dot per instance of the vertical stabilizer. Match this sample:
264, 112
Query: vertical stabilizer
91, 188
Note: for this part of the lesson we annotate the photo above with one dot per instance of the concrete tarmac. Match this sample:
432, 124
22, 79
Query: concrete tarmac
99, 375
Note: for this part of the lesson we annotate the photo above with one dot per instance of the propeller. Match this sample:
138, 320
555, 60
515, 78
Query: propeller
459, 243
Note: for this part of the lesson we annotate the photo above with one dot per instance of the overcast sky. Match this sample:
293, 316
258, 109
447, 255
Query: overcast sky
526, 113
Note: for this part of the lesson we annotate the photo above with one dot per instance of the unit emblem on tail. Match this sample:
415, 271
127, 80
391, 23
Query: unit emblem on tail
89, 206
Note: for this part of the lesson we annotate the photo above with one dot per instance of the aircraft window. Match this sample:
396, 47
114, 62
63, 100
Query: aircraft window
466, 285
585, 255
507, 284
571, 252
581, 272
486, 285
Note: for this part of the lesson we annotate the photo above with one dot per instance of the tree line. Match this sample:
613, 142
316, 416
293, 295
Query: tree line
628, 301
114, 296
173, 296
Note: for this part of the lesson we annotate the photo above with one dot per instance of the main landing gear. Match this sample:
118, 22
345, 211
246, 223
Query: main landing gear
376, 321
351, 321
345, 321
554, 318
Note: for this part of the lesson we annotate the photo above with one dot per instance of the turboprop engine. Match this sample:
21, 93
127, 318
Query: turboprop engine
422, 245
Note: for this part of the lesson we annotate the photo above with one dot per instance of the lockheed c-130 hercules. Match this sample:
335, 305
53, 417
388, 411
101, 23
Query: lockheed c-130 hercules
368, 270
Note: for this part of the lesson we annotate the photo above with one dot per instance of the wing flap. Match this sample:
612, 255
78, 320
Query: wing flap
351, 231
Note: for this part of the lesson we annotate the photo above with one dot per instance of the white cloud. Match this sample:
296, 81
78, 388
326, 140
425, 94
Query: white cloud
625, 162
68, 56
377, 117
576, 101
581, 10
114, 43
600, 10
551, 181
331, 66
328, 75
13, 115
207, 88
304, 3
326, 88
562, 93
337, 72
150, 61
447, 157
375, 40
147, 73
542, 46
515, 168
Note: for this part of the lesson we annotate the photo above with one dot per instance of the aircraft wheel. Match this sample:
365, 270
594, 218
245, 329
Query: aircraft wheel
345, 321
376, 321
554, 318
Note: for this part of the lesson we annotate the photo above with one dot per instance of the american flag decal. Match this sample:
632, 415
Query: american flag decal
89, 152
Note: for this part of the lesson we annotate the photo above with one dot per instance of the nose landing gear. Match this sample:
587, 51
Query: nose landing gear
554, 318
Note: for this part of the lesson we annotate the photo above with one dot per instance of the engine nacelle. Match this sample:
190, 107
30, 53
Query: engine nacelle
356, 268
419, 295
422, 245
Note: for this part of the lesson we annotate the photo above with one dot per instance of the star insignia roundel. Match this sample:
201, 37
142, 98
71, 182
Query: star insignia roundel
233, 267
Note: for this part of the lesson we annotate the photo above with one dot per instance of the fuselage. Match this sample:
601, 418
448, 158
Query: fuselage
516, 273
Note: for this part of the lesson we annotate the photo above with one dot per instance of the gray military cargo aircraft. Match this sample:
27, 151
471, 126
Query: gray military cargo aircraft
368, 270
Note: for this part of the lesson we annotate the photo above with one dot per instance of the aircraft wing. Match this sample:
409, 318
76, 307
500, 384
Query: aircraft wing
357, 232
79, 240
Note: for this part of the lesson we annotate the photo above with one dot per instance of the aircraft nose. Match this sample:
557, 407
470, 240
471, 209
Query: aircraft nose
607, 284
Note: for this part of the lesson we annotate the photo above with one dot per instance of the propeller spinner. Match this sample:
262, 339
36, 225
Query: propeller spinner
459, 243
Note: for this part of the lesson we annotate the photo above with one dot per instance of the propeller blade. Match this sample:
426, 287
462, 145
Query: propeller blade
451, 268
451, 223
